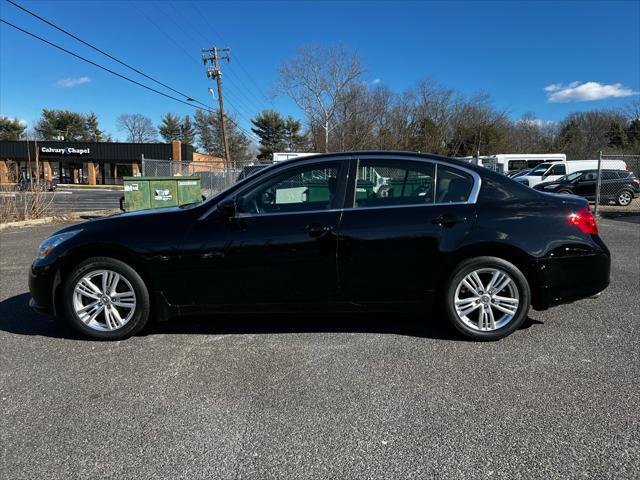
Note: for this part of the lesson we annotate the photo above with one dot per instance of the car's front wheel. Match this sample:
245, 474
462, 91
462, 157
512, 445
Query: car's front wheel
106, 299
487, 298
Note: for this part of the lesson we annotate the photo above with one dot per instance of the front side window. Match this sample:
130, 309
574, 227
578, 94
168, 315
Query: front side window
454, 185
394, 182
312, 187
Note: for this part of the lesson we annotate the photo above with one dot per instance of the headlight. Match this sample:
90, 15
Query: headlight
53, 241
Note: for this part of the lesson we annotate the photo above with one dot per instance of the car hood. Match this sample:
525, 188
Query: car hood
140, 216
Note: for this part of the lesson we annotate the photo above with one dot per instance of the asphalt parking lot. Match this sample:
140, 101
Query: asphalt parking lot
66, 201
364, 396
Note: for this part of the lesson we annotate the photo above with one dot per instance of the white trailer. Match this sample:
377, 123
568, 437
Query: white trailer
509, 162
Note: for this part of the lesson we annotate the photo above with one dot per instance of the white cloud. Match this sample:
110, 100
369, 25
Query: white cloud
72, 82
375, 81
586, 92
537, 122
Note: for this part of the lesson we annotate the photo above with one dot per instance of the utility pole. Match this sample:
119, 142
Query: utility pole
213, 55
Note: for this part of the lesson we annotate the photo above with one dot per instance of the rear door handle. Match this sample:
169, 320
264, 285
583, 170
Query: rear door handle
316, 230
448, 219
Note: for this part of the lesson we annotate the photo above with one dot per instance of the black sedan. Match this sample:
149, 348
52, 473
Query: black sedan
620, 186
363, 230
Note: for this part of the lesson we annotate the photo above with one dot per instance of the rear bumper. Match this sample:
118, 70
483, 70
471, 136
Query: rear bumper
567, 279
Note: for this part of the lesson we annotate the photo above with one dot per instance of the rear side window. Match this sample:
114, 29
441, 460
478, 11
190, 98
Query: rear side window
517, 164
453, 185
394, 182
609, 176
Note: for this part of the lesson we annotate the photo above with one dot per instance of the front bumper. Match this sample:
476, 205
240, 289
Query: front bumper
570, 278
42, 285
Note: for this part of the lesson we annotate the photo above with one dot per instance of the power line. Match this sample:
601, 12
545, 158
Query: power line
124, 77
233, 106
241, 99
75, 37
258, 89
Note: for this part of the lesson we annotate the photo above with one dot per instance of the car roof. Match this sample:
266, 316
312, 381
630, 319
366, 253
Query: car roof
384, 154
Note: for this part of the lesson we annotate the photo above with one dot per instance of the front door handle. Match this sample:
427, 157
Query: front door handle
448, 220
317, 230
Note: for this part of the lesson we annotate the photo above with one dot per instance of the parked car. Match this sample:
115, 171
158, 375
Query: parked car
618, 186
365, 230
549, 172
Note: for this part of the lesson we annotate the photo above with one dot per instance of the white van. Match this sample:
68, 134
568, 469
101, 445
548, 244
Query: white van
550, 171
510, 162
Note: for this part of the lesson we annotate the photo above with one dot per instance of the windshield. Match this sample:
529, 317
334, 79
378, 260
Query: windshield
571, 176
539, 170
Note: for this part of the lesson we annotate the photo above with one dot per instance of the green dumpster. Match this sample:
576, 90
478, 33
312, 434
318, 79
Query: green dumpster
141, 193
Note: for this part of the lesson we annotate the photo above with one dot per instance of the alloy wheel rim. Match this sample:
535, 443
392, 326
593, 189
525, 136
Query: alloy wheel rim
104, 300
486, 299
624, 198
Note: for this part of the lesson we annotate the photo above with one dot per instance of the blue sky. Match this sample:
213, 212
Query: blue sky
577, 51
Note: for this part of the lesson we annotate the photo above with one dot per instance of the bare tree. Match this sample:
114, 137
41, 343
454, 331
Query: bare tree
317, 78
139, 128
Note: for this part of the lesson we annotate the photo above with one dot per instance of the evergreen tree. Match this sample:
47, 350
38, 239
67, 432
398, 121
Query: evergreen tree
209, 133
187, 131
11, 129
296, 141
170, 127
617, 136
57, 124
269, 126
94, 132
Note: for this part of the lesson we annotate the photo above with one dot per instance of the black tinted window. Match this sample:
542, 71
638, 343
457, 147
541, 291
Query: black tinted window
558, 170
393, 182
609, 176
453, 185
297, 190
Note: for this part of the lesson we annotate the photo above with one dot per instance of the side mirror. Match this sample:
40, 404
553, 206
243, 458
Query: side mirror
227, 208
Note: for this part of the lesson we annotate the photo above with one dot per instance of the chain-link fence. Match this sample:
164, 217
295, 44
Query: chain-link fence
617, 183
213, 178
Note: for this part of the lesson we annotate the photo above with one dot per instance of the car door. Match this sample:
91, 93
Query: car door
586, 184
278, 247
402, 218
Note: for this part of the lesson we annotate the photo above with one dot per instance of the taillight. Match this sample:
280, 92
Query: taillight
585, 221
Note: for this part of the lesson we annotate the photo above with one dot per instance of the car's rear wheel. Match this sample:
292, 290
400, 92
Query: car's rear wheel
624, 198
106, 299
487, 298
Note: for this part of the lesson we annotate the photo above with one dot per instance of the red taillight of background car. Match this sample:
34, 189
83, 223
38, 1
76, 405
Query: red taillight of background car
585, 221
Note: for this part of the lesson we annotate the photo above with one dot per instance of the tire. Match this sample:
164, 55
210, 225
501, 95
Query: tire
624, 198
564, 192
508, 306
122, 308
